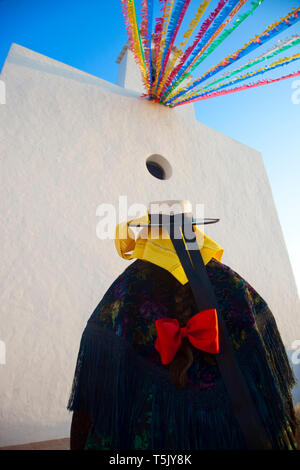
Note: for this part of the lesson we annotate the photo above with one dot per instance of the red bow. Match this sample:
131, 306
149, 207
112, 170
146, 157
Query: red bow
201, 330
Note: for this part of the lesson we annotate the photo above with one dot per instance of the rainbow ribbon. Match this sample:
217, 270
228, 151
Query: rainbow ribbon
146, 28
161, 76
274, 65
166, 79
173, 27
280, 48
199, 36
134, 37
289, 20
162, 31
226, 15
243, 87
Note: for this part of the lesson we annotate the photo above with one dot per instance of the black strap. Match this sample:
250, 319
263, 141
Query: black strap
190, 257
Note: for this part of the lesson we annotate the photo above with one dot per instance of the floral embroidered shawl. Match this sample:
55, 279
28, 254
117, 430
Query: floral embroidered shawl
120, 381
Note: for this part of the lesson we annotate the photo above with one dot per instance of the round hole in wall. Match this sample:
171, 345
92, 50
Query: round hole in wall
159, 167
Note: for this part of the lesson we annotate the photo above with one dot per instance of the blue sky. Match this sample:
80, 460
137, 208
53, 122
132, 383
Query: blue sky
89, 35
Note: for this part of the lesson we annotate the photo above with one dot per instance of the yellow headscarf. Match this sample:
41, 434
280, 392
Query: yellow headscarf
155, 245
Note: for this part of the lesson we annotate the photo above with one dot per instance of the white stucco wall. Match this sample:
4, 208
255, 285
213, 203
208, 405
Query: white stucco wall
69, 142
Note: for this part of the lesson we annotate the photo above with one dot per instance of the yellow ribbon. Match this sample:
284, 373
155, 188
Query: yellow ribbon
137, 46
153, 244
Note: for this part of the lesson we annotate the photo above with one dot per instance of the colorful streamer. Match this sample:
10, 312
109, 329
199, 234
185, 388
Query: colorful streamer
175, 23
167, 8
135, 38
217, 42
243, 87
199, 36
200, 12
226, 15
289, 20
274, 65
146, 28
275, 51
162, 72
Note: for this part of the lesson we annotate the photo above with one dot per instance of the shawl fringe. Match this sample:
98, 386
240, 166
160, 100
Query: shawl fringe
112, 382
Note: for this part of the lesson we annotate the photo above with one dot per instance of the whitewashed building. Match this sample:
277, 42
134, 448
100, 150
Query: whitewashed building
70, 142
